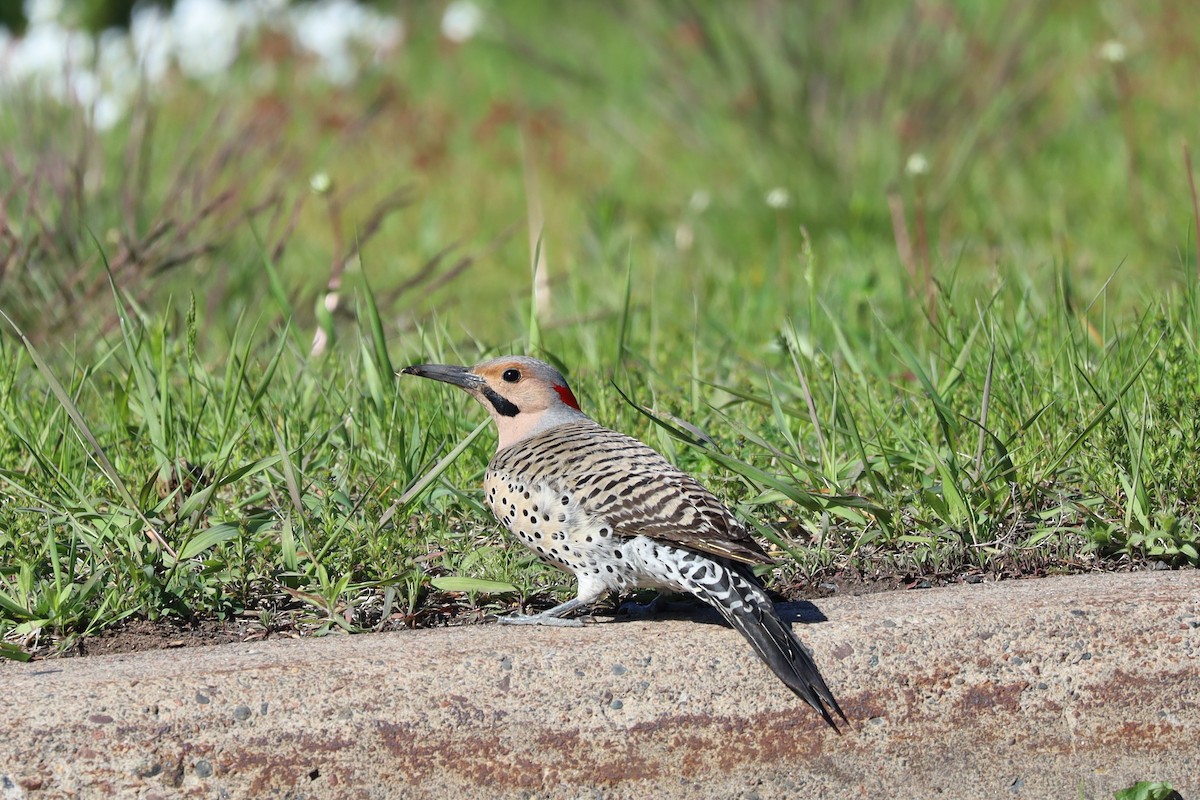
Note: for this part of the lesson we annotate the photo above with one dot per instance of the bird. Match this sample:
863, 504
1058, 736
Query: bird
619, 516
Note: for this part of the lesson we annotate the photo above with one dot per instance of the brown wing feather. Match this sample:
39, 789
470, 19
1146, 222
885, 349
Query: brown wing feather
690, 516
627, 484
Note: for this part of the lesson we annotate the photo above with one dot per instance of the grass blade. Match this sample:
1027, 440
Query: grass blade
1099, 416
383, 361
418, 486
81, 425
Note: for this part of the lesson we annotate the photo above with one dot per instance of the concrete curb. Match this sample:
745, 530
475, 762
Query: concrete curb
1061, 687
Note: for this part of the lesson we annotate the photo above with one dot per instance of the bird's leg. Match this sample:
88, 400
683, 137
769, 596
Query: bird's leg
551, 616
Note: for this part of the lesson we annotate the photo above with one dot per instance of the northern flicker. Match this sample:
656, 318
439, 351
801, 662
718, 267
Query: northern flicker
619, 516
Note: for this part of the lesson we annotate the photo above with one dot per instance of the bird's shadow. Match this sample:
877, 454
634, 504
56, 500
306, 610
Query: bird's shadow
790, 612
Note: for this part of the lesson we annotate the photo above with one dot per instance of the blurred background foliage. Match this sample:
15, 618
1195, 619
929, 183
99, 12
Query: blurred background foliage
910, 141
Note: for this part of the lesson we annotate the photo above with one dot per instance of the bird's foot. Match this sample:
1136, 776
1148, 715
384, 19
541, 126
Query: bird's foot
539, 619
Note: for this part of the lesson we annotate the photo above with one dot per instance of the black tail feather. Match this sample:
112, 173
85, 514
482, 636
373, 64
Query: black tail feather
746, 607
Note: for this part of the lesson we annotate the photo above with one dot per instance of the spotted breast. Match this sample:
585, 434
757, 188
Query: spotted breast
578, 492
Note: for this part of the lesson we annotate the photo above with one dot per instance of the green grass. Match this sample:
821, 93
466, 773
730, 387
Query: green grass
1148, 790
989, 369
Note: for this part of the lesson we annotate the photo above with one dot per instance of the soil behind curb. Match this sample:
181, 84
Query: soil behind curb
1059, 687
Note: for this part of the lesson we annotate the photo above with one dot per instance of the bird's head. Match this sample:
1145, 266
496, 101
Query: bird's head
524, 396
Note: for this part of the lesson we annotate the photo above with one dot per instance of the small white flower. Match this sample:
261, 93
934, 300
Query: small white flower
320, 183
685, 237
84, 87
462, 20
207, 35
151, 36
51, 58
779, 198
325, 29
107, 111
119, 80
385, 35
40, 12
334, 30
917, 164
203, 38
114, 57
265, 9
1113, 51
699, 201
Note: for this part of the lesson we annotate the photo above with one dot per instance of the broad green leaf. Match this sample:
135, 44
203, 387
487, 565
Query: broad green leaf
208, 539
455, 584
11, 651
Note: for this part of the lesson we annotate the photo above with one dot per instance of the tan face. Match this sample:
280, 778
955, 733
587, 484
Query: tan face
509, 386
526, 385
524, 396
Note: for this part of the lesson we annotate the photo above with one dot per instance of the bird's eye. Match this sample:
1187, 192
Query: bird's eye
511, 375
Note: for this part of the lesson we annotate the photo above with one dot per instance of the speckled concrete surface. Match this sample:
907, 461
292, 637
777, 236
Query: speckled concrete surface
1062, 687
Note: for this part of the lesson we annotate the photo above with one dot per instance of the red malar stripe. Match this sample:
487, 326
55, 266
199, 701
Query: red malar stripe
567, 397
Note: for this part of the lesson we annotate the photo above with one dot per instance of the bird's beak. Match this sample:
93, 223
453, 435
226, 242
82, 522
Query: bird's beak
459, 376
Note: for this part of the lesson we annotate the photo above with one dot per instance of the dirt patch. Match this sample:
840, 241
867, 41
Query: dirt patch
136, 635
